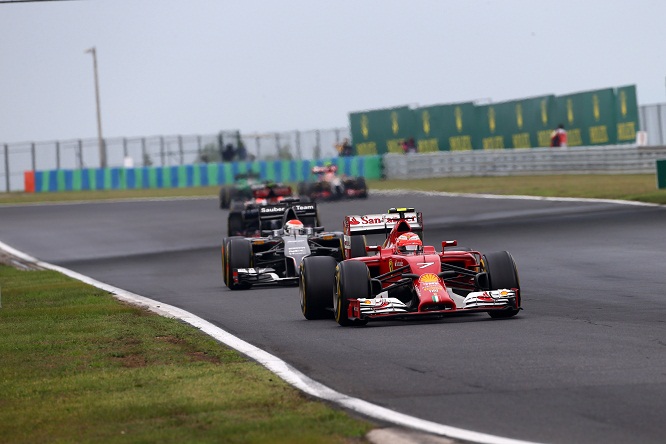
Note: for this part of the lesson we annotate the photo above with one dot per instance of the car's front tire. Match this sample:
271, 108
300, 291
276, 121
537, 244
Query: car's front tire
352, 281
237, 254
502, 273
317, 286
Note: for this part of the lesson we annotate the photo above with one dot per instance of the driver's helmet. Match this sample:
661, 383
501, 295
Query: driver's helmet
292, 227
409, 243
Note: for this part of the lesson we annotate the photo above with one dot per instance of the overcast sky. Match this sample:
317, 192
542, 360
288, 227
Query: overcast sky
200, 66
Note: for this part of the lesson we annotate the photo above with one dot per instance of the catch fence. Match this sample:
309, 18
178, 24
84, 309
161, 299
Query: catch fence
162, 151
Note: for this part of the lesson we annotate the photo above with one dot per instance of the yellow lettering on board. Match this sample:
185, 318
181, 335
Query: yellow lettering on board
626, 131
460, 143
598, 134
574, 138
521, 140
394, 146
544, 137
428, 146
492, 143
366, 148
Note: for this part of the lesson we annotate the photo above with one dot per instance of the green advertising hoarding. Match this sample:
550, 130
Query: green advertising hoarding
492, 126
381, 131
445, 127
588, 117
626, 114
600, 117
538, 120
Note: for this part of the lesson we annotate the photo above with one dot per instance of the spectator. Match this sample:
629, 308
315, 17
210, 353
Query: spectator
241, 152
409, 146
228, 153
345, 148
558, 138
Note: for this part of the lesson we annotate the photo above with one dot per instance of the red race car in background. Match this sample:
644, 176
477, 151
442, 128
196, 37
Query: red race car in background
330, 186
405, 279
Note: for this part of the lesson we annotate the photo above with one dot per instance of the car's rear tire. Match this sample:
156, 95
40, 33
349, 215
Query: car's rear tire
234, 224
358, 244
361, 185
502, 273
224, 197
237, 254
317, 286
352, 281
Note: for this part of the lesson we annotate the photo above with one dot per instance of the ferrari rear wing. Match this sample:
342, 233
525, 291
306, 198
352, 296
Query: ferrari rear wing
382, 223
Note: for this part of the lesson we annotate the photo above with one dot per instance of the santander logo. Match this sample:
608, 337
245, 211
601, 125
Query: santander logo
353, 221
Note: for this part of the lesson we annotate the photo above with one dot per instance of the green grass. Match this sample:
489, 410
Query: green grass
638, 187
79, 366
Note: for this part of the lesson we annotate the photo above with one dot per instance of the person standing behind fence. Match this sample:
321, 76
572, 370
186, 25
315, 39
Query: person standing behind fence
344, 149
558, 138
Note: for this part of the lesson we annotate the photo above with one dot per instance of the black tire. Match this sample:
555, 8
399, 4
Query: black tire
358, 244
234, 224
361, 185
317, 286
502, 273
224, 197
225, 243
302, 188
352, 280
237, 254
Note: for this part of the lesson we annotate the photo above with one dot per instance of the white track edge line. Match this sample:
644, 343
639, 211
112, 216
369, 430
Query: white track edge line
514, 197
275, 364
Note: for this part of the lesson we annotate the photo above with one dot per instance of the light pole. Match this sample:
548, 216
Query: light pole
100, 139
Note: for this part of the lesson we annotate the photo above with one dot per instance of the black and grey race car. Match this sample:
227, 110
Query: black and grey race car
254, 217
275, 257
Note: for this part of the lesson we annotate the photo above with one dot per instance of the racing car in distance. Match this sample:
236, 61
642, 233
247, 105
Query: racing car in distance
330, 186
244, 216
405, 279
247, 186
275, 256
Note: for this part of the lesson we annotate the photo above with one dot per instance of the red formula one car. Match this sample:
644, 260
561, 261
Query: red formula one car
405, 279
330, 186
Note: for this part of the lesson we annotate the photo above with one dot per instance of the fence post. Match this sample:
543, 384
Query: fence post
58, 155
199, 148
162, 150
317, 148
180, 150
144, 155
79, 154
298, 145
258, 148
125, 153
33, 155
277, 145
8, 185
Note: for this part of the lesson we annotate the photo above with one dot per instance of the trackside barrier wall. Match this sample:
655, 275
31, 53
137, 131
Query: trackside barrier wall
197, 175
507, 162
661, 174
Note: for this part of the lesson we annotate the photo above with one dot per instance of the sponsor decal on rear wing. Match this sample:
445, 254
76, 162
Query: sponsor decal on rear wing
276, 211
380, 223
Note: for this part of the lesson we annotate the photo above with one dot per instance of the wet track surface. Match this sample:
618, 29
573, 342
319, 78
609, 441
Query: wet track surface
585, 362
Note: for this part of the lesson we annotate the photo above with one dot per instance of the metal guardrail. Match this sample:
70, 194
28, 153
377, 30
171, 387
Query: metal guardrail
621, 159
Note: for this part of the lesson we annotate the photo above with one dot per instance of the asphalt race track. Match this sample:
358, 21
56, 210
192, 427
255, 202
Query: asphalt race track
584, 362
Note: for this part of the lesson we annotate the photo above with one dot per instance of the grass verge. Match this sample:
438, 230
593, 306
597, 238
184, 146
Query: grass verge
79, 366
